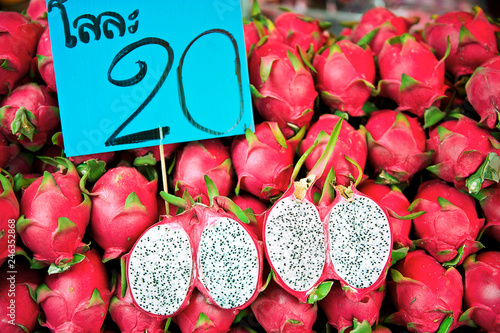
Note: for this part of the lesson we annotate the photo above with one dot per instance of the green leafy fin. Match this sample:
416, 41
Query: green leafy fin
266, 66
366, 39
296, 63
446, 325
432, 116
96, 299
319, 292
204, 321
174, 200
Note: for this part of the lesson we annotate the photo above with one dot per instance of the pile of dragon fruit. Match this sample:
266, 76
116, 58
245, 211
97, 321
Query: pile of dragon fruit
366, 198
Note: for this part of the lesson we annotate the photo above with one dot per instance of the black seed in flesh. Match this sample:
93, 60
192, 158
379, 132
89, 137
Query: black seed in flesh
229, 263
160, 269
295, 243
360, 241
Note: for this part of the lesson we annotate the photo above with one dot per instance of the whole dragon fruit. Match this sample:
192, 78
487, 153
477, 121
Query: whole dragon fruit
471, 37
8, 216
378, 25
462, 148
199, 158
266, 146
425, 294
396, 146
29, 115
282, 87
37, 11
204, 247
410, 74
202, 316
76, 300
482, 92
450, 226
55, 215
45, 61
391, 198
351, 143
278, 311
489, 199
341, 311
482, 291
302, 31
18, 39
345, 76
124, 205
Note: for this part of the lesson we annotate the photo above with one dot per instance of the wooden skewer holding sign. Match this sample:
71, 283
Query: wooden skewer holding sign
163, 169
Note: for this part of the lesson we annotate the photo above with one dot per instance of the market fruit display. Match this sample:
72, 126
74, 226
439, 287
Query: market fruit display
366, 196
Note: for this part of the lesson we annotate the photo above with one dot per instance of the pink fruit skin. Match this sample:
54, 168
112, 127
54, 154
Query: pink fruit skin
489, 198
130, 318
37, 10
482, 290
251, 151
351, 142
396, 145
8, 216
300, 31
459, 150
105, 157
251, 35
47, 205
282, 93
446, 226
199, 158
124, 205
16, 303
44, 122
220, 319
45, 61
66, 298
394, 199
278, 311
472, 40
424, 293
345, 76
342, 311
403, 57
483, 91
388, 23
259, 208
168, 151
7, 151
18, 39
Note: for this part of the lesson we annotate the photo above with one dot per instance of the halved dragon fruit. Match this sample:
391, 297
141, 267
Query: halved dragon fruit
203, 247
307, 243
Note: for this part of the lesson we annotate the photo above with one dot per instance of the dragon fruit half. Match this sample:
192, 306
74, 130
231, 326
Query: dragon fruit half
266, 146
345, 76
482, 291
396, 146
410, 74
425, 294
124, 205
471, 37
306, 243
18, 39
76, 300
8, 216
204, 247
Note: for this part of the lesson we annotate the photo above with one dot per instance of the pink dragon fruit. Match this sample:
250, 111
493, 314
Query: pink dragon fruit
37, 11
7, 151
489, 199
202, 316
204, 247
199, 158
8, 216
483, 93
391, 198
410, 74
341, 311
18, 310
18, 38
55, 215
131, 319
76, 300
258, 208
345, 76
29, 115
278, 311
123, 206
396, 146
151, 155
462, 148
302, 31
482, 291
266, 146
45, 61
351, 143
471, 37
379, 24
450, 226
282, 87
425, 294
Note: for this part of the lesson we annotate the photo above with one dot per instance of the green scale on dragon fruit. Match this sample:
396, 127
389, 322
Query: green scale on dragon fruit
307, 243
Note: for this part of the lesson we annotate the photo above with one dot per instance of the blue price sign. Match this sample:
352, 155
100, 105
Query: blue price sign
126, 68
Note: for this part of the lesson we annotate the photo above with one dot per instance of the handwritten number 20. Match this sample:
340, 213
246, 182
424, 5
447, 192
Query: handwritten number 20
154, 134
